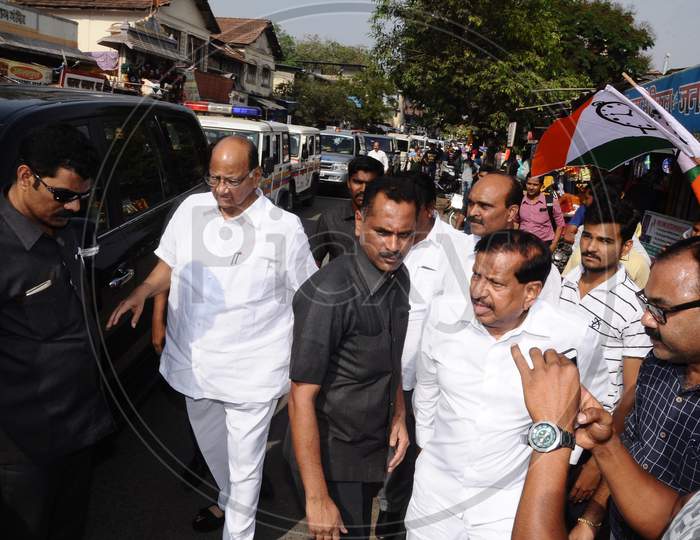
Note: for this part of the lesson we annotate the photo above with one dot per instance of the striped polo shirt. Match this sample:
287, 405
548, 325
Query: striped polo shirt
615, 314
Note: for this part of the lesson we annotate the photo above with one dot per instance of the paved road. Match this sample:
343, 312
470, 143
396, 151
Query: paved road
137, 493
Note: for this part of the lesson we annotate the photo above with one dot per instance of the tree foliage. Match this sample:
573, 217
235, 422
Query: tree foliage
477, 61
321, 101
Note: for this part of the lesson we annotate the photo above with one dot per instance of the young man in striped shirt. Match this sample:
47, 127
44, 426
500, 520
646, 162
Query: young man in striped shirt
601, 290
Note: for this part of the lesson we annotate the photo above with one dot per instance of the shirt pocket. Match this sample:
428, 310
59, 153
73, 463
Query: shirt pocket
42, 312
688, 475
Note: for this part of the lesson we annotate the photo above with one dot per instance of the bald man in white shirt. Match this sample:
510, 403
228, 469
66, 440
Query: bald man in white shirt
232, 261
468, 401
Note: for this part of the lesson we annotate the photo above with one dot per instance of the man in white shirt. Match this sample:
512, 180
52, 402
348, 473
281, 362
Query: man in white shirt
232, 261
468, 400
379, 154
436, 264
493, 205
601, 290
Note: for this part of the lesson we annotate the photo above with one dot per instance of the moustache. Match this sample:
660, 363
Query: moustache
653, 333
474, 219
588, 254
390, 255
64, 214
482, 302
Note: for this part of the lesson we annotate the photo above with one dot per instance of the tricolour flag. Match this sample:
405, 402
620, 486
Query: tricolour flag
609, 130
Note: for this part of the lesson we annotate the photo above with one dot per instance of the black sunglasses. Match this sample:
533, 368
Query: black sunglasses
62, 195
659, 313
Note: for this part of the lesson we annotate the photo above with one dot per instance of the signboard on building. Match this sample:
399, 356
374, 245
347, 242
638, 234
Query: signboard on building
660, 231
24, 73
33, 24
678, 93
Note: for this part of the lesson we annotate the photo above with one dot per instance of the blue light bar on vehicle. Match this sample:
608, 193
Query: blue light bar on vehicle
224, 108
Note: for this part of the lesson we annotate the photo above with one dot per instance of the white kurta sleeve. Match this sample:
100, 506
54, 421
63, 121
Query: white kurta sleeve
427, 391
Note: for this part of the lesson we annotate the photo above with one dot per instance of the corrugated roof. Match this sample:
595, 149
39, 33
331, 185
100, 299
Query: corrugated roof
246, 31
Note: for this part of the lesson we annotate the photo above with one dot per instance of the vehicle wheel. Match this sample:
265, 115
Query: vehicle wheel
309, 201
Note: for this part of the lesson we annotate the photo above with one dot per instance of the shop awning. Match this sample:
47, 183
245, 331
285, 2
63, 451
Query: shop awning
269, 105
144, 42
19, 43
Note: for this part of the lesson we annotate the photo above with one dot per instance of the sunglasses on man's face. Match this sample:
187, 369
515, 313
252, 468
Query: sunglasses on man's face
62, 195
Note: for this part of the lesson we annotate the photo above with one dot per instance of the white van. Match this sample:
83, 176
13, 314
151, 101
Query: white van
305, 150
270, 138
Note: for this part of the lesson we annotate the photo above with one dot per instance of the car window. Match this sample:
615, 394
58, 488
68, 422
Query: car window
275, 148
337, 144
384, 144
186, 155
285, 147
215, 134
318, 143
265, 147
294, 142
310, 145
135, 164
402, 145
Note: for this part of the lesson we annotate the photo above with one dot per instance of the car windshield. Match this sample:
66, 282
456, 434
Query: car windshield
384, 144
402, 145
216, 134
294, 141
337, 144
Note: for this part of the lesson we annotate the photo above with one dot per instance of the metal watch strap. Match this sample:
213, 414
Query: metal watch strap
567, 439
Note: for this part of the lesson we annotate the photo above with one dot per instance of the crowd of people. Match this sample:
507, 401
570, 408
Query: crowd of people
458, 377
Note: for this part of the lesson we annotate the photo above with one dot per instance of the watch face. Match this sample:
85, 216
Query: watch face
543, 436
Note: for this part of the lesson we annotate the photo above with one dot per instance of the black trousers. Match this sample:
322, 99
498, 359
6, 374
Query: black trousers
354, 502
398, 486
45, 502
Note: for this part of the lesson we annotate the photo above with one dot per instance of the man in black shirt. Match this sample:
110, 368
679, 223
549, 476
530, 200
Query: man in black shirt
346, 403
52, 409
335, 231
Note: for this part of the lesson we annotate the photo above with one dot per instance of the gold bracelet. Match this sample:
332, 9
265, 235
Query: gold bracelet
589, 523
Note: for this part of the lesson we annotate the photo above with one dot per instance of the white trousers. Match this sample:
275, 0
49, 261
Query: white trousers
233, 440
427, 520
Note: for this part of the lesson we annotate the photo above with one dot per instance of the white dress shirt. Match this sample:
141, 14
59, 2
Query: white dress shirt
380, 156
470, 411
614, 312
230, 315
436, 265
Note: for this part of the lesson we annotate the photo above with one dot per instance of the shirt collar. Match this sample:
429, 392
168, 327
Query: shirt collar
574, 276
431, 237
255, 213
536, 323
349, 213
373, 277
539, 199
26, 230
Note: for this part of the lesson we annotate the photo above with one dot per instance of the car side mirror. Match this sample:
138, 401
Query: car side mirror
268, 166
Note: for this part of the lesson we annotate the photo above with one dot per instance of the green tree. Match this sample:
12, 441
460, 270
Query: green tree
478, 61
325, 101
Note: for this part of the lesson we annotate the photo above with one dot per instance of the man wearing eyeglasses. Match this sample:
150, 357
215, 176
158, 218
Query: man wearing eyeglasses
232, 261
52, 410
662, 432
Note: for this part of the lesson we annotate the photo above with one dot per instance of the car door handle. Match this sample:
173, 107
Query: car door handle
126, 275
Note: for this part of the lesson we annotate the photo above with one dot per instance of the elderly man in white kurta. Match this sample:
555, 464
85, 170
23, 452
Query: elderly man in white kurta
232, 261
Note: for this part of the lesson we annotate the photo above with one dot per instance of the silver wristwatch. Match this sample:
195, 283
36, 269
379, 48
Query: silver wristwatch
547, 436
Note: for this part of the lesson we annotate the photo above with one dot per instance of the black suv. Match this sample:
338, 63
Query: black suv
153, 155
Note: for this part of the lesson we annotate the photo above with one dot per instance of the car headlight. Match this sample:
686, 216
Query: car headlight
340, 167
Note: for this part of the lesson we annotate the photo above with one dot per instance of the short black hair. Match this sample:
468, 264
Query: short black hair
616, 211
425, 187
687, 245
537, 259
47, 148
395, 188
365, 164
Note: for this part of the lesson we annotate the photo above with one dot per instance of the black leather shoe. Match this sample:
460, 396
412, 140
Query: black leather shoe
206, 521
390, 526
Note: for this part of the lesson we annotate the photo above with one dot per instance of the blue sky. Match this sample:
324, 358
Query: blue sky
676, 23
